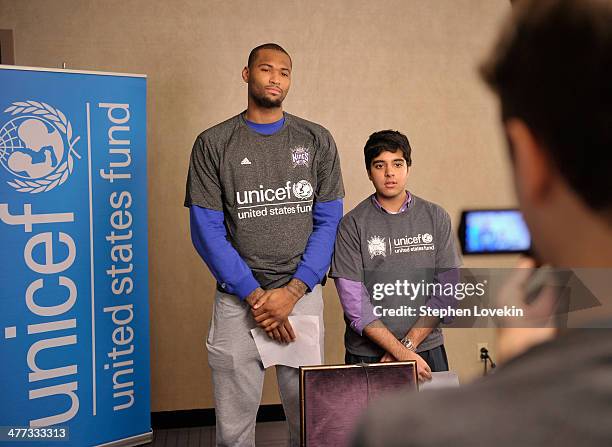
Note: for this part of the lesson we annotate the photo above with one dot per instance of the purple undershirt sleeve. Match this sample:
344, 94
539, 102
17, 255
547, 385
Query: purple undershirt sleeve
356, 303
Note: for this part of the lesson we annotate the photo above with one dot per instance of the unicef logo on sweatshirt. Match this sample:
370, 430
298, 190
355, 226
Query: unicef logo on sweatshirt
411, 244
37, 147
276, 201
302, 189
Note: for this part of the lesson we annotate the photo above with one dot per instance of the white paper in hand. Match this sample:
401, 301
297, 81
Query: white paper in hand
303, 351
439, 380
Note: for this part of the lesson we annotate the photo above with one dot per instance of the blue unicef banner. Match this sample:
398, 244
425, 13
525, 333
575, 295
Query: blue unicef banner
74, 335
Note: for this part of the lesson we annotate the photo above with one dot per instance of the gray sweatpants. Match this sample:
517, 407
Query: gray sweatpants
238, 373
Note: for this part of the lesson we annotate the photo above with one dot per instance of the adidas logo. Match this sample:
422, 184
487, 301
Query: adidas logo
245, 161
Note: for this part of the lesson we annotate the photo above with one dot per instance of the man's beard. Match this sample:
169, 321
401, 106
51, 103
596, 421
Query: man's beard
266, 103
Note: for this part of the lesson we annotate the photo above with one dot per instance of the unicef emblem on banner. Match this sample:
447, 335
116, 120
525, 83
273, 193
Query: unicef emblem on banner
37, 147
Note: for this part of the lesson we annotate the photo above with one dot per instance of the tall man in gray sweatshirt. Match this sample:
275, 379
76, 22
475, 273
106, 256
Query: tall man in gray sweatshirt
265, 196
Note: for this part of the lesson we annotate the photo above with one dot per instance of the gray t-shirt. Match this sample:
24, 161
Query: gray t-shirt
266, 186
375, 247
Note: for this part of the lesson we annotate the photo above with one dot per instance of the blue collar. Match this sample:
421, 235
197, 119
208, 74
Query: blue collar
267, 128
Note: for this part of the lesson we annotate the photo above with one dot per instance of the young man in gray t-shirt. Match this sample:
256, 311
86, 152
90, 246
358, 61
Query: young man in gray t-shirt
393, 236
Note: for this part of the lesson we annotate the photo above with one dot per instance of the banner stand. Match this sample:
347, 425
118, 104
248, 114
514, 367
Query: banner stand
74, 297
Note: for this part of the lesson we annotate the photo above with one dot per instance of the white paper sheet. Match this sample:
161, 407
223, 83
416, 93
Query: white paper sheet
303, 351
439, 380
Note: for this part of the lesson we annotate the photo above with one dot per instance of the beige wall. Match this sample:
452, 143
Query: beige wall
359, 66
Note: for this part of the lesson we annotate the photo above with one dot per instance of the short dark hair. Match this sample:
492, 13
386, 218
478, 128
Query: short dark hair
386, 140
265, 46
552, 68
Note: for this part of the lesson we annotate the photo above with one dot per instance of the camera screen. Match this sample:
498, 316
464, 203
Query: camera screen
494, 231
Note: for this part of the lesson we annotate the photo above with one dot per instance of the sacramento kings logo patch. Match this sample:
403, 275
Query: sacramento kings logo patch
377, 246
300, 156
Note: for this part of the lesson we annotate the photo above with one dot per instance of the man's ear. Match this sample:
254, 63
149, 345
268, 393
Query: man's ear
245, 74
533, 169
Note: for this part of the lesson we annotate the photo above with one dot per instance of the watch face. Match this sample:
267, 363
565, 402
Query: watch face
408, 343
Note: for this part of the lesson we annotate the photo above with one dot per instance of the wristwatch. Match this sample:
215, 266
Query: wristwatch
408, 343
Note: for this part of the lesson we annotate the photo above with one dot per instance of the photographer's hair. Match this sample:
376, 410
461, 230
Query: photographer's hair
386, 140
552, 69
265, 46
